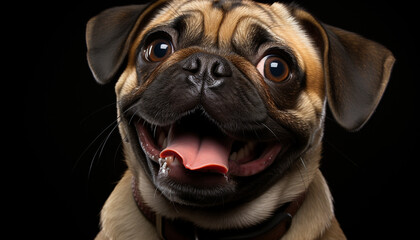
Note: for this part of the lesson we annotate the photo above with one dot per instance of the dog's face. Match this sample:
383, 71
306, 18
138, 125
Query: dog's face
218, 100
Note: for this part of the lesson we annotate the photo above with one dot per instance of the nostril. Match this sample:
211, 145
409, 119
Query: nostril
192, 65
206, 70
221, 68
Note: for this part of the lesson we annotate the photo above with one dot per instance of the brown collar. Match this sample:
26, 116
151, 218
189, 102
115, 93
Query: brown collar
272, 228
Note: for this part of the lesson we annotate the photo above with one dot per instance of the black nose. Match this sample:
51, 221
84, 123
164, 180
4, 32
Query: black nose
207, 70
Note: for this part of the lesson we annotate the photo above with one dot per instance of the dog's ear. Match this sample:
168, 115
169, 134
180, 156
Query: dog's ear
356, 70
108, 40
109, 36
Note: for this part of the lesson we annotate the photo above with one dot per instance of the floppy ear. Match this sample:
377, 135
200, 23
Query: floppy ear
356, 71
108, 40
109, 36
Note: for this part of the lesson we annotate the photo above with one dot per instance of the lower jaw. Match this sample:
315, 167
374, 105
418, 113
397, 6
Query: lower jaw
186, 188
208, 190
191, 189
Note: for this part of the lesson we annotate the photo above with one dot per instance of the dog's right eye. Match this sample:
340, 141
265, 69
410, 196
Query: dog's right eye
158, 50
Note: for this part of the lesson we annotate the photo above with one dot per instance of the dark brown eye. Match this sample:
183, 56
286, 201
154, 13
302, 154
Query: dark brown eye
158, 50
274, 68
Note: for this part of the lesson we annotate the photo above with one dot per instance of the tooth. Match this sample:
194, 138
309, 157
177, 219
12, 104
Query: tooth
165, 165
175, 162
169, 159
161, 162
233, 156
226, 177
163, 169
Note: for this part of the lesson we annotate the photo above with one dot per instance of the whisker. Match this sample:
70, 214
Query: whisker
154, 130
100, 149
108, 130
302, 175
116, 153
96, 112
106, 139
303, 162
93, 142
270, 131
132, 116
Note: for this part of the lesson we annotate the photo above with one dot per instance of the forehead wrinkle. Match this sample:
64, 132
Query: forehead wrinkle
217, 20
236, 18
193, 22
163, 17
211, 16
250, 33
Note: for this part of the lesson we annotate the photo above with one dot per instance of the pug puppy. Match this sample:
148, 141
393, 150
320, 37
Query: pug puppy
221, 109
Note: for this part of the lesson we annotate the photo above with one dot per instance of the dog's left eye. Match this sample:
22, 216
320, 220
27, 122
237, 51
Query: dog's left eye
274, 68
158, 50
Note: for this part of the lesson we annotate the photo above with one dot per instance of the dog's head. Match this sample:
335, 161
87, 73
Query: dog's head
218, 100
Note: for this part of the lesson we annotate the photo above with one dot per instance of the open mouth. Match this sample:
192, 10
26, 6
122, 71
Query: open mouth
195, 143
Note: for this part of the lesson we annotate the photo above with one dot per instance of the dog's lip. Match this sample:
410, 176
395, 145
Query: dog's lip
242, 166
147, 144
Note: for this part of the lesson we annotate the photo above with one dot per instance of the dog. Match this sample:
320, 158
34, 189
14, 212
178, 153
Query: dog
221, 109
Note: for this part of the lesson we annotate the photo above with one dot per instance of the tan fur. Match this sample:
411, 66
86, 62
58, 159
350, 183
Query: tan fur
293, 183
315, 220
120, 218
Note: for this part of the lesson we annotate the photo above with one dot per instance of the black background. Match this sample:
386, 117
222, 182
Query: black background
73, 156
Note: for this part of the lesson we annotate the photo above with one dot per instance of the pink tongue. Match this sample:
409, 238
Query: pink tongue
199, 153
